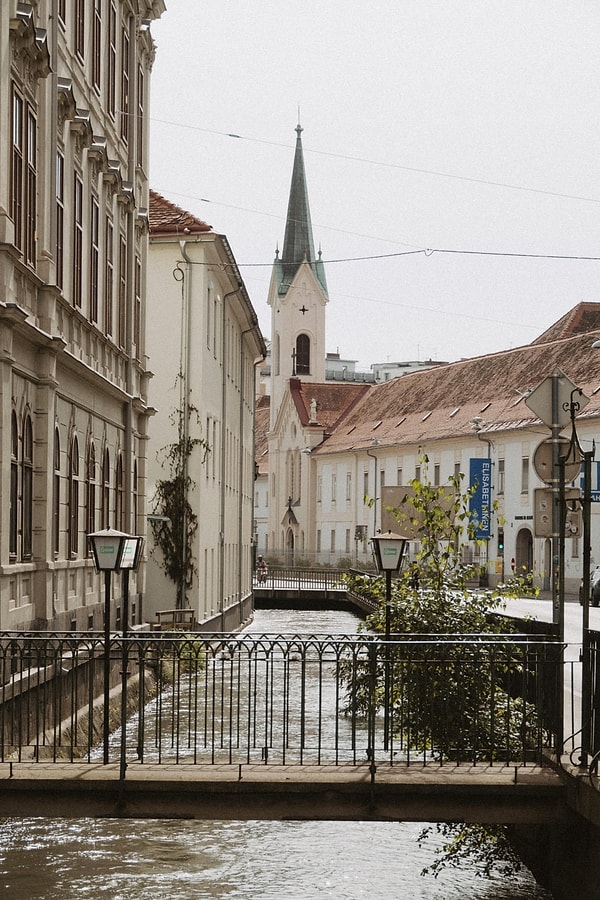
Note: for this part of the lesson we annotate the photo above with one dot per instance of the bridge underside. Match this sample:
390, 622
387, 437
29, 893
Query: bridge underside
485, 794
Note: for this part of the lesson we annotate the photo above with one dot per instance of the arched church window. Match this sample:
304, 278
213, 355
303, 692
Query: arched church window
303, 354
276, 355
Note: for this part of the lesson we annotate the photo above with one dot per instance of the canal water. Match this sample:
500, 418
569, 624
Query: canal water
61, 859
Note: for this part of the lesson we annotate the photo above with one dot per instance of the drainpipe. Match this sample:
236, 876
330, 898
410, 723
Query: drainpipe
372, 455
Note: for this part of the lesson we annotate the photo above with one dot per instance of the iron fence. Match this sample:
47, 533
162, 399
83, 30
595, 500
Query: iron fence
282, 699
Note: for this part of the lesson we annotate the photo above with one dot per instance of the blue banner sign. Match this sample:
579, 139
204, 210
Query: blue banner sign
480, 482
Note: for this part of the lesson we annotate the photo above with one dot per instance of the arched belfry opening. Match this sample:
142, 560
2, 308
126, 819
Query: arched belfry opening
303, 354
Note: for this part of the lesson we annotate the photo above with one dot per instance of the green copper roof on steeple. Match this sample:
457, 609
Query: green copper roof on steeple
298, 242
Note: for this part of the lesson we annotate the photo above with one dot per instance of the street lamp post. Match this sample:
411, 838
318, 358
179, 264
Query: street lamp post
389, 550
112, 551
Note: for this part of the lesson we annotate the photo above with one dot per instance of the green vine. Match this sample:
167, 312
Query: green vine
174, 522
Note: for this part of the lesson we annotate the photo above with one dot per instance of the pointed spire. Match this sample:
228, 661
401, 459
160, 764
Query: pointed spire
298, 242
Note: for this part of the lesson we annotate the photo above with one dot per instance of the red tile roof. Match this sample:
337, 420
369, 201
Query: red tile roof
440, 403
334, 401
582, 318
167, 219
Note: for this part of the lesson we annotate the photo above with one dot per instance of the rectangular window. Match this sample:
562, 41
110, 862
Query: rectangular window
108, 277
319, 488
348, 485
125, 84
137, 310
77, 240
318, 540
365, 486
94, 258
141, 87
457, 472
334, 488
60, 218
31, 190
111, 70
381, 479
436, 475
525, 475
399, 476
23, 178
79, 27
332, 540
17, 168
97, 45
417, 473
122, 300
500, 477
208, 315
347, 550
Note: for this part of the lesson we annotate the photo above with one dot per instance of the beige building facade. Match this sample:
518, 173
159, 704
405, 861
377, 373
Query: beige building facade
205, 345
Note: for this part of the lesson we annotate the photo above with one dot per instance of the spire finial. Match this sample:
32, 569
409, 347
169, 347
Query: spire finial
299, 128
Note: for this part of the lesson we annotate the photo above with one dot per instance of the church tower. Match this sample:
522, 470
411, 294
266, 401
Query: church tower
297, 296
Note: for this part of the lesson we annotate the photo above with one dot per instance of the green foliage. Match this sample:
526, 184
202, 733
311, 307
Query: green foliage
485, 848
452, 698
174, 531
184, 656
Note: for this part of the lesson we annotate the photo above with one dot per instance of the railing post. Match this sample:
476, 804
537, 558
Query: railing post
372, 708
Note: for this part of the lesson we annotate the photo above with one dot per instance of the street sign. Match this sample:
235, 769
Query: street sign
540, 400
542, 461
544, 498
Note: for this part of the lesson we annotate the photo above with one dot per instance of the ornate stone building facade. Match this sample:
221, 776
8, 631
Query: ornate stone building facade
74, 78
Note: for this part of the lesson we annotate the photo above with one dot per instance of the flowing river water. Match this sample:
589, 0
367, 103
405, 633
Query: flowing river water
120, 859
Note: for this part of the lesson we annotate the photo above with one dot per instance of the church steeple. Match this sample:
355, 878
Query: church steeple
298, 244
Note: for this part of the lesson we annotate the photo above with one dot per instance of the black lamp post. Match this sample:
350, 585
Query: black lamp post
113, 550
389, 550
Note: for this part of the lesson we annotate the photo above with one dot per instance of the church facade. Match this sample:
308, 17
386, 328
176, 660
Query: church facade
337, 454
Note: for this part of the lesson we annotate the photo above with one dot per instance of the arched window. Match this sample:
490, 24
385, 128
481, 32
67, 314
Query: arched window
56, 496
14, 485
90, 500
119, 494
27, 489
74, 497
106, 490
275, 361
303, 354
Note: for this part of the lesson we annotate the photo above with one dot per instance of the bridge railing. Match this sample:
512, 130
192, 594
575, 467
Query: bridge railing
302, 579
279, 699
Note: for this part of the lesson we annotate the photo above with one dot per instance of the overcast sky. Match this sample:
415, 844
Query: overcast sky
429, 125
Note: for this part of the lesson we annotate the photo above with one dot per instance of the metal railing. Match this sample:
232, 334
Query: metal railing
281, 699
301, 579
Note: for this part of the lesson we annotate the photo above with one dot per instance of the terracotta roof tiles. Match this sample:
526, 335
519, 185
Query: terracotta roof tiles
167, 218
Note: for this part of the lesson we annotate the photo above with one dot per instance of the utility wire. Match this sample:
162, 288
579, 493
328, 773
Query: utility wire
389, 165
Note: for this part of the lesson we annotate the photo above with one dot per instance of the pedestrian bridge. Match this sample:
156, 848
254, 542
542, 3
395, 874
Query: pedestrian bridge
470, 793
284, 726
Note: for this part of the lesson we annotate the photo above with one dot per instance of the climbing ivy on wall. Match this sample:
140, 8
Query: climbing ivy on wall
174, 523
